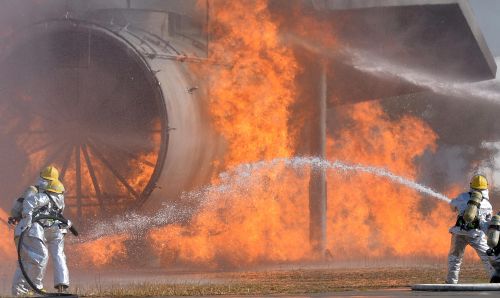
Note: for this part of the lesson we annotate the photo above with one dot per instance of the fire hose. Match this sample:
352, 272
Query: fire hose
19, 245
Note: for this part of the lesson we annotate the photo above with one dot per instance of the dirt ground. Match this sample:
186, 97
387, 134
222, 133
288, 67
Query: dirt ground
269, 282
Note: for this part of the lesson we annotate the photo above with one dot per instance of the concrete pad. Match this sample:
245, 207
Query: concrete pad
457, 287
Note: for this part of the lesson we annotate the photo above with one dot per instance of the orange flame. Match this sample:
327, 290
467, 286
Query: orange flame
269, 221
7, 248
101, 252
249, 104
370, 216
250, 99
367, 216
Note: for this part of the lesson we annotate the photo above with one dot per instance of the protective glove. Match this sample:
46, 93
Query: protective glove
490, 252
13, 221
66, 225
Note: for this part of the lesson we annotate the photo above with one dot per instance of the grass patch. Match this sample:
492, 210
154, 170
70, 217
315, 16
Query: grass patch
291, 282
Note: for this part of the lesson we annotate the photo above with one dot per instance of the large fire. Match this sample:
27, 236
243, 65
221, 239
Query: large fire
370, 216
268, 220
367, 216
99, 253
250, 100
249, 104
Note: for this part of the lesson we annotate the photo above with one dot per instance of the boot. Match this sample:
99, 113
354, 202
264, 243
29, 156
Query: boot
61, 288
495, 279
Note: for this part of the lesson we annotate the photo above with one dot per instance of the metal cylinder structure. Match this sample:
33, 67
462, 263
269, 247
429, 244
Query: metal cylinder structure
317, 182
116, 108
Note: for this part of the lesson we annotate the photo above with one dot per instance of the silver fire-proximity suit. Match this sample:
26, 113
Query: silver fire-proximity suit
17, 208
475, 237
40, 239
16, 214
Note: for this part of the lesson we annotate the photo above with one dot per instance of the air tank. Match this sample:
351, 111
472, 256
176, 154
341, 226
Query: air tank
473, 206
494, 231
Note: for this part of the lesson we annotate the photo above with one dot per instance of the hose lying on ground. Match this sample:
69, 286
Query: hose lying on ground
19, 245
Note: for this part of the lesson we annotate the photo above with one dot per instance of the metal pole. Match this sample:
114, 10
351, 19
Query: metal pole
317, 182
78, 184
208, 28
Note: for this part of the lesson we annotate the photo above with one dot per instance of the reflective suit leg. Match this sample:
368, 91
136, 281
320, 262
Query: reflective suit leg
19, 285
457, 249
495, 263
55, 244
481, 246
34, 257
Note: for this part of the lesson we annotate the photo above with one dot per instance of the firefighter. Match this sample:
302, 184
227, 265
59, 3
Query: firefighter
474, 212
54, 238
40, 235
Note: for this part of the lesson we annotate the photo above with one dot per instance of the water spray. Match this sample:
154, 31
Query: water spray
381, 172
236, 181
368, 63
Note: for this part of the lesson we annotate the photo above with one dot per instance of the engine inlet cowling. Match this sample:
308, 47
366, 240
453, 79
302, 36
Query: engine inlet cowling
94, 102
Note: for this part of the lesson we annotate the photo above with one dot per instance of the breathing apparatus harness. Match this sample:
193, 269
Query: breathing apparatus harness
467, 226
50, 209
54, 215
474, 224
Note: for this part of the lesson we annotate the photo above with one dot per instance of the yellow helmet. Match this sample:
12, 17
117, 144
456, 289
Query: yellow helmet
479, 182
50, 173
55, 186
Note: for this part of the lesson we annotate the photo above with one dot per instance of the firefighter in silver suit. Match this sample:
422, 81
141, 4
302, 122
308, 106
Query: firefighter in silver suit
54, 237
474, 213
41, 238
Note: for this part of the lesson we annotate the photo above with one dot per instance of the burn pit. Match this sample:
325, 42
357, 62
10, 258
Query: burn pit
75, 95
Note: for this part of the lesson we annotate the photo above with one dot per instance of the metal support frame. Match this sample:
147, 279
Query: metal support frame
78, 169
93, 176
317, 182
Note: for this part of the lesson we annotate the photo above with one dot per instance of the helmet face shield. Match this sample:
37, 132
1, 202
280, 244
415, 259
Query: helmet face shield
42, 183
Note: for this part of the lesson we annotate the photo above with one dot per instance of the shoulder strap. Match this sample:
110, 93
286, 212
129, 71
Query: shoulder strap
52, 201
